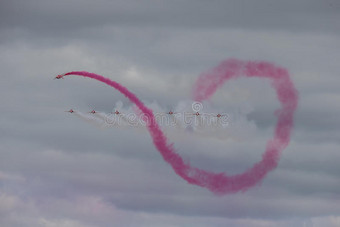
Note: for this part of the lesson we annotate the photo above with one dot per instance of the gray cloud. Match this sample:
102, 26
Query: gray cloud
56, 170
65, 15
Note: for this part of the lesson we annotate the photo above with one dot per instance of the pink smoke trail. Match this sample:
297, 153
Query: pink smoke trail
204, 88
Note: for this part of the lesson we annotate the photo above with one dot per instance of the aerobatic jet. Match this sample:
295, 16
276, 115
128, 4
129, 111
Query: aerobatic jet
60, 76
116, 112
220, 115
170, 112
197, 114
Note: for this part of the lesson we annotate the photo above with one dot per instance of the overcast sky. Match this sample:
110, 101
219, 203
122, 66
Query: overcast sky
57, 170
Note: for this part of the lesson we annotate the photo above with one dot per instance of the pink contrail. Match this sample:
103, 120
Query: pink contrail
205, 87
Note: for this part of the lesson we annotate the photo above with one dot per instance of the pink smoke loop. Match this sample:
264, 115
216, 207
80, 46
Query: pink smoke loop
204, 88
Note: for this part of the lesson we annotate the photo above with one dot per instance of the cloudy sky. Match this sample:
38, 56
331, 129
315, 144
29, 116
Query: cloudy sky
57, 170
